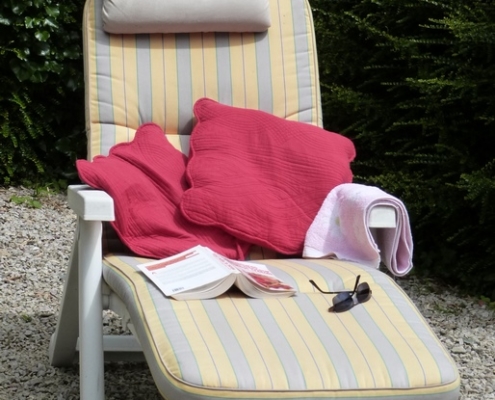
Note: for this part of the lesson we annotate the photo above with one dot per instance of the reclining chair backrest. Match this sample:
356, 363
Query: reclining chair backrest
136, 78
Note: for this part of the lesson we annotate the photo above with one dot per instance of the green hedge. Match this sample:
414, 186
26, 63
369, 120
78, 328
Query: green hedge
413, 83
41, 96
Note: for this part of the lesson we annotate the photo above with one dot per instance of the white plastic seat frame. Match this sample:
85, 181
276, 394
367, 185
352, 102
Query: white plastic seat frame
79, 329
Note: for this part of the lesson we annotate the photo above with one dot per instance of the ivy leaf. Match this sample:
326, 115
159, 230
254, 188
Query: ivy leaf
39, 76
72, 52
64, 145
50, 22
18, 8
29, 22
43, 49
72, 84
22, 54
42, 36
21, 71
4, 21
52, 11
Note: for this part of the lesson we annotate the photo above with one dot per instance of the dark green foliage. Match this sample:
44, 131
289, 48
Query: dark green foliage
41, 99
413, 84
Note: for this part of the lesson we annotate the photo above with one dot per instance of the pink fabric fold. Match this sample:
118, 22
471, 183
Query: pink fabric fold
146, 179
341, 230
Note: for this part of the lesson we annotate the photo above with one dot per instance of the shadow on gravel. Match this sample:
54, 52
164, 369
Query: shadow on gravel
25, 371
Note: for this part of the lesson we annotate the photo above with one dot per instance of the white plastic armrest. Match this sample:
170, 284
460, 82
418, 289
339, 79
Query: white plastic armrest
382, 217
90, 204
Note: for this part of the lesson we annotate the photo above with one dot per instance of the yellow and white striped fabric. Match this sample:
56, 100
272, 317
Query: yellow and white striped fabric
234, 347
133, 79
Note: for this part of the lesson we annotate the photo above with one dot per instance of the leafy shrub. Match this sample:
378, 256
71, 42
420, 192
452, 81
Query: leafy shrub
411, 82
41, 99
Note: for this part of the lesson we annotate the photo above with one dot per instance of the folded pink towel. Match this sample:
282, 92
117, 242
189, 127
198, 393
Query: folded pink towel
341, 229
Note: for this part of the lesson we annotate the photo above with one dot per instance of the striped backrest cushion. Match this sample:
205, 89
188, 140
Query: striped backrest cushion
133, 79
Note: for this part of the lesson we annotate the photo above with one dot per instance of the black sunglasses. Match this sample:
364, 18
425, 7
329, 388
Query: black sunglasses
345, 299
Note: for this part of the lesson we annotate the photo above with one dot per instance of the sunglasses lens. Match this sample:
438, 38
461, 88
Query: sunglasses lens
342, 302
363, 292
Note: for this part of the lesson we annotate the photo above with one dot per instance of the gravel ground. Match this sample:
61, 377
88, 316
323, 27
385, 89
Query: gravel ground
35, 245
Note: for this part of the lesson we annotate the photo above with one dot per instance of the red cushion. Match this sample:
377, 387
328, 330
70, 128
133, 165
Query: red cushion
146, 179
259, 177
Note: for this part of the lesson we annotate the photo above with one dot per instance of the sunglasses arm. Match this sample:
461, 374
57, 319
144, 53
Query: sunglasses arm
342, 291
317, 287
357, 283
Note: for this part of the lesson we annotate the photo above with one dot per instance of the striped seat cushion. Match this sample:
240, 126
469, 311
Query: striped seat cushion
234, 347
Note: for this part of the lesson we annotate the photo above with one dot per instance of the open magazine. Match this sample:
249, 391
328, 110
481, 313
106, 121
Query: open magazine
200, 273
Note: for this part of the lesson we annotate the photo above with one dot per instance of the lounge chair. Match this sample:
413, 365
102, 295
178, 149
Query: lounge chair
137, 71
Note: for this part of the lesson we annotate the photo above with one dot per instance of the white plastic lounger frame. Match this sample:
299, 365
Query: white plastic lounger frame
79, 330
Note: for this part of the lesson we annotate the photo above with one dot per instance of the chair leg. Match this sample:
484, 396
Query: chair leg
90, 312
63, 342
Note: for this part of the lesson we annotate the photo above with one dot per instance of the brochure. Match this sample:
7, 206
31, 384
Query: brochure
200, 273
